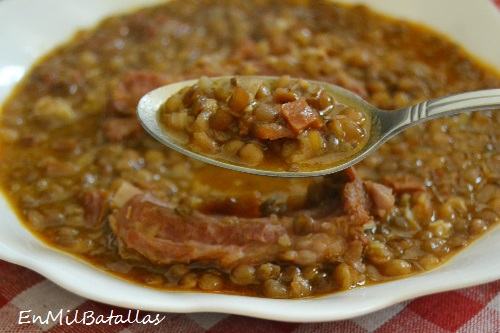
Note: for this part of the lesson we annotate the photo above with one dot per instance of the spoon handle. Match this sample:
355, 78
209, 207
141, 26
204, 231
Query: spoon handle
443, 106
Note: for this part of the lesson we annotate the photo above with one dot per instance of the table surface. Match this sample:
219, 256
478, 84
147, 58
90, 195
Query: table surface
24, 293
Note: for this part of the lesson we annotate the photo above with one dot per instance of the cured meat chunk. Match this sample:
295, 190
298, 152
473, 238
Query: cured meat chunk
165, 234
381, 196
356, 202
95, 204
300, 115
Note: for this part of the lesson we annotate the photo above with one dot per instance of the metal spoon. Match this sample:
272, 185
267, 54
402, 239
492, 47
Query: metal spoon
385, 124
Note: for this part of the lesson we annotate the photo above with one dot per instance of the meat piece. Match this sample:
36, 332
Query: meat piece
381, 196
130, 88
117, 129
356, 202
165, 234
300, 115
406, 183
95, 205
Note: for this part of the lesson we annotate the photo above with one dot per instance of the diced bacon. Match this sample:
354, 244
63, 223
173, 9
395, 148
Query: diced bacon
300, 115
356, 202
381, 196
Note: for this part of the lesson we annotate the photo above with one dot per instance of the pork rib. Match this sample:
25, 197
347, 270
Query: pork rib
165, 234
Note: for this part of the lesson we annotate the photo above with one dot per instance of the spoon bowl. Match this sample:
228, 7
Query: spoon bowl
384, 124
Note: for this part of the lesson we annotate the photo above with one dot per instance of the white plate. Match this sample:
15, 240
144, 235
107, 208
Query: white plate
29, 28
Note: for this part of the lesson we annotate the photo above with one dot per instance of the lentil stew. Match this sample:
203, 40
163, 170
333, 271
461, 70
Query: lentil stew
85, 178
